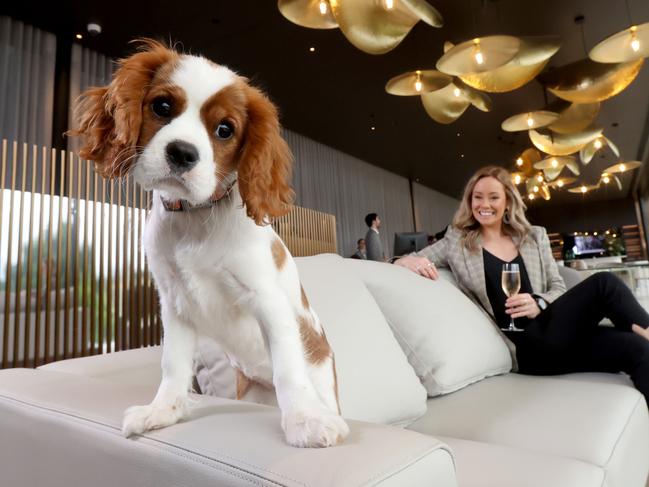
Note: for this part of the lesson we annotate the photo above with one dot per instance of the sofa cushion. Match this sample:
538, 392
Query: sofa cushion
488, 465
139, 367
449, 341
375, 381
62, 430
603, 424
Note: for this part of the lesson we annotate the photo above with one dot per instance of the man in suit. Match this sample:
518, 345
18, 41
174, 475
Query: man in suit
361, 250
372, 238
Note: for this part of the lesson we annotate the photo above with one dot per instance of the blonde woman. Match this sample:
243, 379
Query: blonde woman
560, 329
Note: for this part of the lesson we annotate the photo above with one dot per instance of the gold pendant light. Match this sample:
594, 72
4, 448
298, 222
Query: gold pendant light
449, 103
314, 14
525, 162
562, 144
529, 120
562, 182
587, 152
628, 45
378, 26
623, 167
573, 117
532, 56
479, 55
584, 188
417, 82
375, 27
606, 178
552, 166
586, 81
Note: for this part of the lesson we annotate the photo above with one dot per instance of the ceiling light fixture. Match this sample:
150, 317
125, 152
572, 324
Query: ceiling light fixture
312, 49
389, 4
519, 161
323, 7
79, 36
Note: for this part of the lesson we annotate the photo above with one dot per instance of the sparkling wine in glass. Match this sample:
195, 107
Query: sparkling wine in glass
511, 284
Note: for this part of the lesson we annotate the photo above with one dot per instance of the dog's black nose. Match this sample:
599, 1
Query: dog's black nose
181, 156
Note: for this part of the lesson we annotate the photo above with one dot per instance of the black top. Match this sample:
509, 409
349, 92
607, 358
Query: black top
493, 268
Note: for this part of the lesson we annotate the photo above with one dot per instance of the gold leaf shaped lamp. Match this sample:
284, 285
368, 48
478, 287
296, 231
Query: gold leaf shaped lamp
628, 45
479, 55
573, 117
586, 81
529, 120
448, 104
623, 167
587, 152
561, 182
417, 82
552, 166
532, 56
313, 14
584, 188
562, 144
443, 105
378, 26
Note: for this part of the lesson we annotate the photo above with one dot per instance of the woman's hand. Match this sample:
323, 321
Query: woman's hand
419, 265
520, 305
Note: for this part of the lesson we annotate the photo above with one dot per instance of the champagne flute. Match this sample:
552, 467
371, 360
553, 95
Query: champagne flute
511, 284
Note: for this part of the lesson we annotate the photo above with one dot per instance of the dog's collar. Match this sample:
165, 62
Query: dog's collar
224, 190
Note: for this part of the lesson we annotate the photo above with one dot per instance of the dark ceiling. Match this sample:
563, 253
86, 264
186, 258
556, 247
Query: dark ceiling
336, 94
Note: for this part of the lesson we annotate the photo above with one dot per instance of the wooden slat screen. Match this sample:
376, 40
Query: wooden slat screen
307, 232
73, 280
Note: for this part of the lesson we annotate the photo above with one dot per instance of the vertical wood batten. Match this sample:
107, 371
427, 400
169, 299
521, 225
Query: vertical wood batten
30, 255
5, 355
125, 328
3, 175
68, 260
59, 243
84, 278
48, 278
39, 261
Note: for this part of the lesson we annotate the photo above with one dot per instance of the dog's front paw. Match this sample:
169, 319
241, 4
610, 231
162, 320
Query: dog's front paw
138, 419
314, 429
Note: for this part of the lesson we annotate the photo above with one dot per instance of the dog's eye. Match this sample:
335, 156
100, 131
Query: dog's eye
161, 107
225, 130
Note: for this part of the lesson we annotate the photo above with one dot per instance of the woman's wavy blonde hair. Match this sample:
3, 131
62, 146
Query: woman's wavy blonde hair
515, 223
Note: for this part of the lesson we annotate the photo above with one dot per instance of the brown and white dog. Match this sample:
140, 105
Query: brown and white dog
207, 143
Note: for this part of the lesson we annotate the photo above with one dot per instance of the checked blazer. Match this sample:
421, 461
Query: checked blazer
468, 267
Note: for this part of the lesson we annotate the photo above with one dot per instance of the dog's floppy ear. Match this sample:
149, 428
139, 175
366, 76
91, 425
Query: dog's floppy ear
265, 163
109, 118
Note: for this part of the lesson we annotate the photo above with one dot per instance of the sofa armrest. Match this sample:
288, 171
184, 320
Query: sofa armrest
60, 429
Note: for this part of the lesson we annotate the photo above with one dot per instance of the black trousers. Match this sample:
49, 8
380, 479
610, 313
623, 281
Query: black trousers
566, 337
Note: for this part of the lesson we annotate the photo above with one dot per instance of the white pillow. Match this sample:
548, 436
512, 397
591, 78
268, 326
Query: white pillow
449, 341
375, 381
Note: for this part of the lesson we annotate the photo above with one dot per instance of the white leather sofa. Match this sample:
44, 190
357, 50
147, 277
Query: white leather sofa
423, 380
